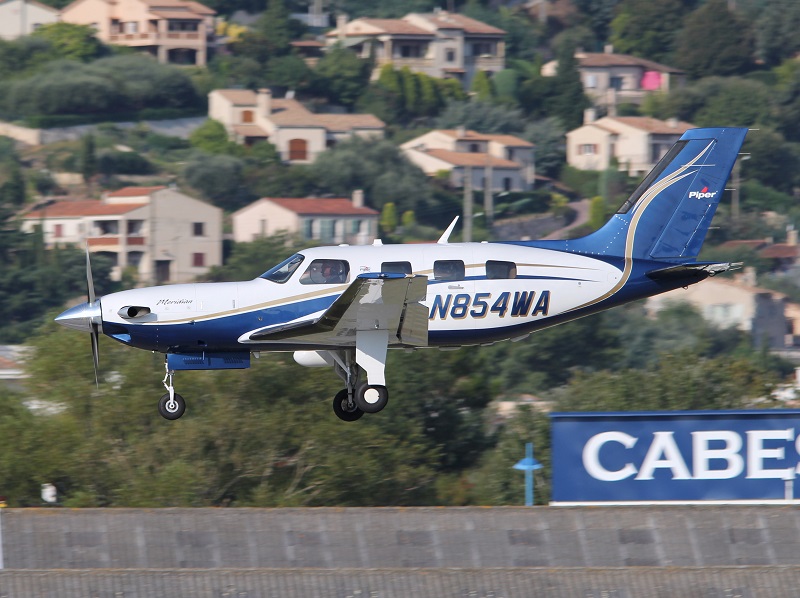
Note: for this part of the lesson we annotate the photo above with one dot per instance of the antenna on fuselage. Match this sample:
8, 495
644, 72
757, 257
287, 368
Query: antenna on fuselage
443, 240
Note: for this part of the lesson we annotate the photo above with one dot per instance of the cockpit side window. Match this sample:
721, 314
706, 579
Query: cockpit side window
283, 271
326, 272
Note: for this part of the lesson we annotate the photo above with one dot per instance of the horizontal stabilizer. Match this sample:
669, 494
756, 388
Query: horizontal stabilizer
695, 270
374, 301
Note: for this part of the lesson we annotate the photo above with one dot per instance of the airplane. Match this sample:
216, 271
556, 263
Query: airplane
345, 306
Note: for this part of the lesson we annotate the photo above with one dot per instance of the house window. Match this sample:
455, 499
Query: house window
450, 55
474, 148
355, 227
58, 231
615, 83
247, 116
410, 51
588, 149
327, 230
591, 81
480, 49
507, 183
298, 149
198, 260
131, 27
199, 229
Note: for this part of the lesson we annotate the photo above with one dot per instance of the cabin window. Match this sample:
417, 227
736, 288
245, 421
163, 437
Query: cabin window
283, 271
448, 270
396, 267
326, 272
500, 270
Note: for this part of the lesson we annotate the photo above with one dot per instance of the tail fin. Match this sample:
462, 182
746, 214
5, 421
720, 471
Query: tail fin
668, 215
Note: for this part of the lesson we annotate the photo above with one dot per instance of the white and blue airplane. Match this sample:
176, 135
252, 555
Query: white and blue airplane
345, 306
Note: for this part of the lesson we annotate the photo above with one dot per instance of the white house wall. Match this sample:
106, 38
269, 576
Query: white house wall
263, 218
18, 18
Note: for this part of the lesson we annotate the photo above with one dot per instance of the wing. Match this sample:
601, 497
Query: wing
375, 301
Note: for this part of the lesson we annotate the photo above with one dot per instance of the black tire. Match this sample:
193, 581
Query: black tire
171, 412
371, 399
340, 408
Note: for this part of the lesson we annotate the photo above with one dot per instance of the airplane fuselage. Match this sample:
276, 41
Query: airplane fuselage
505, 291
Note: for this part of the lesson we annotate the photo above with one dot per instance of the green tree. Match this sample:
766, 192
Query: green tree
342, 76
13, 190
212, 138
389, 218
481, 116
88, 158
71, 41
775, 32
375, 165
597, 212
568, 100
729, 51
219, 178
647, 29
482, 87
411, 91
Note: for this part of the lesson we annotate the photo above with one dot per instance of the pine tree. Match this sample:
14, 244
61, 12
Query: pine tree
88, 158
569, 101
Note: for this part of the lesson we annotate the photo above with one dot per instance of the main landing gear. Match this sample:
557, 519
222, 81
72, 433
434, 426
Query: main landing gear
359, 397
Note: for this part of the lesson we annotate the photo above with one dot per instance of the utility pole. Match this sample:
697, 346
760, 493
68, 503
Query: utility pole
488, 199
467, 234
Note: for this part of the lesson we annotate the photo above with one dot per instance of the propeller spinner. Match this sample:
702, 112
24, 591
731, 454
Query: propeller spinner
87, 317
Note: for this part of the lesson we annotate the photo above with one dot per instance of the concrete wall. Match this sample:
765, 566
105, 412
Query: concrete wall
404, 538
642, 552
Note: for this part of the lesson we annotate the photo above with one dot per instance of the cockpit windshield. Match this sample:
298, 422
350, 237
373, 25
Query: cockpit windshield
283, 271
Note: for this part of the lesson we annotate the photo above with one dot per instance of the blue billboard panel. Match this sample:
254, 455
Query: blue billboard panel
678, 456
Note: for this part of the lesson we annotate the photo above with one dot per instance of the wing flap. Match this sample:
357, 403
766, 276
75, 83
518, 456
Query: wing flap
372, 302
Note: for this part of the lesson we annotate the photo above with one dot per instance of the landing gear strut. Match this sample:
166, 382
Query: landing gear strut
171, 405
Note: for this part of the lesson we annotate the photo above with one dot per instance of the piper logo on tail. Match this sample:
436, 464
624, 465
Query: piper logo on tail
702, 194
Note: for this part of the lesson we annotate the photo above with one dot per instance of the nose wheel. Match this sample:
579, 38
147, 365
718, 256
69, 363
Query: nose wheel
172, 405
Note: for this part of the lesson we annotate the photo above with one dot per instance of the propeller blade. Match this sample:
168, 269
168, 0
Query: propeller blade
96, 354
95, 328
89, 281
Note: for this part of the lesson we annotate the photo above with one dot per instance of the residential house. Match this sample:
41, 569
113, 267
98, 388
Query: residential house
23, 17
165, 235
611, 79
328, 220
441, 44
175, 31
299, 134
737, 303
507, 162
636, 142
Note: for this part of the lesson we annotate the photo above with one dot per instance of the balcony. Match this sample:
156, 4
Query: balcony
107, 241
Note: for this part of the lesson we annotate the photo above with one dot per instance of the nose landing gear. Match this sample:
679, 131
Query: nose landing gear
172, 405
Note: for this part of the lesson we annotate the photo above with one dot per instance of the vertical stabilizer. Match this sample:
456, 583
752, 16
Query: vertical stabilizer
668, 215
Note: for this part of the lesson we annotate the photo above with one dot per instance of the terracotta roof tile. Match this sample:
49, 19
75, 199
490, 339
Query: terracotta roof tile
602, 59
471, 159
780, 251
346, 122
306, 43
750, 243
177, 14
450, 20
77, 209
135, 191
250, 131
239, 97
322, 206
391, 26
504, 139
653, 125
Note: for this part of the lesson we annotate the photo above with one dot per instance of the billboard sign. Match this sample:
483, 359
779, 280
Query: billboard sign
679, 456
